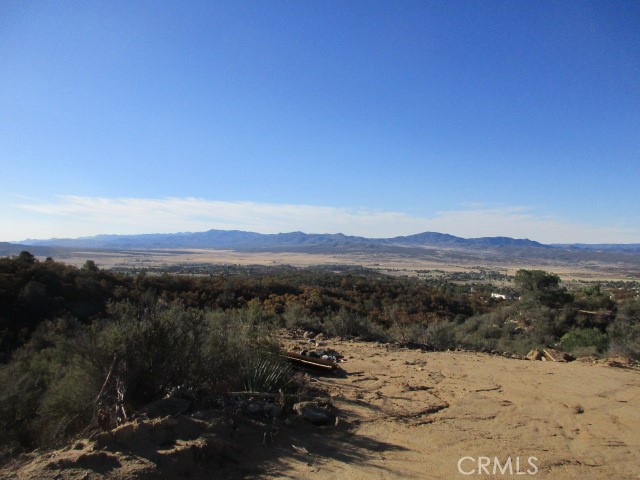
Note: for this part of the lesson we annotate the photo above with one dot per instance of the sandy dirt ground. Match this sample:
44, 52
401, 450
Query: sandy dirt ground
417, 414
400, 414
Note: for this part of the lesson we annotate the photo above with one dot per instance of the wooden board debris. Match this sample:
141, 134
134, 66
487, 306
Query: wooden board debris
555, 355
310, 362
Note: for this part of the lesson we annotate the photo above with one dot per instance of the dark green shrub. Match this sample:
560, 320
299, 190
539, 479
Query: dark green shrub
624, 331
296, 315
56, 383
346, 324
440, 336
408, 332
437, 335
583, 338
45, 391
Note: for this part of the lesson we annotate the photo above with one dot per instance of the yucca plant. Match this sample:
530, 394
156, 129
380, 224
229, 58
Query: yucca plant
266, 375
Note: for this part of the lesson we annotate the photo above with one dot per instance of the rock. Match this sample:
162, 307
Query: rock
272, 410
308, 334
556, 355
619, 362
312, 413
255, 408
534, 355
319, 337
276, 411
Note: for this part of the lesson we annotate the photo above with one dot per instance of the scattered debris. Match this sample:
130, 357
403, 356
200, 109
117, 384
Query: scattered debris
312, 412
300, 449
619, 363
549, 355
332, 355
556, 355
535, 355
313, 363
323, 360
416, 388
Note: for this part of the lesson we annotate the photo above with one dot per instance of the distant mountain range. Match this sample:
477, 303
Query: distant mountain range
251, 241
604, 247
438, 246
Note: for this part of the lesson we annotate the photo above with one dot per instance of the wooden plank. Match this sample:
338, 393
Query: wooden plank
310, 361
554, 355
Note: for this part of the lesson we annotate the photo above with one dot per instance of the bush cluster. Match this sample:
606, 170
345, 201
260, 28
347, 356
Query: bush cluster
624, 331
68, 373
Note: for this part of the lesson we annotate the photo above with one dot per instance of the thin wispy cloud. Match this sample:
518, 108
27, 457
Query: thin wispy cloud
78, 216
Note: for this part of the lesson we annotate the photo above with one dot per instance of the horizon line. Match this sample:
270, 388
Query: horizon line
89, 237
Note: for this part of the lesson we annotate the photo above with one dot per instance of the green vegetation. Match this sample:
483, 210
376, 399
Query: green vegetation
624, 331
68, 373
82, 345
585, 339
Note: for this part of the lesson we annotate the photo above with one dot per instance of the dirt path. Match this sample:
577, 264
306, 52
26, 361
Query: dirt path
416, 414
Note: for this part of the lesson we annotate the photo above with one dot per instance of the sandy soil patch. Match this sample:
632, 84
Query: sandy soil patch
416, 414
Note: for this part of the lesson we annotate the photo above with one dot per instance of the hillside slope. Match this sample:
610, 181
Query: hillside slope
402, 414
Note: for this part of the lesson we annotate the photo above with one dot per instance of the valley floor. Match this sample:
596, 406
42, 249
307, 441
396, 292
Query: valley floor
390, 264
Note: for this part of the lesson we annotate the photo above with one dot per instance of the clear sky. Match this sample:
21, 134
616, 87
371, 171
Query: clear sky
375, 118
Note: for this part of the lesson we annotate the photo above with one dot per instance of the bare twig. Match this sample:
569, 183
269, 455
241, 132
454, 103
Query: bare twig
106, 381
97, 400
300, 449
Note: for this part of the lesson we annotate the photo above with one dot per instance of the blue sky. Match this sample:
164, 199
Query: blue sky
382, 118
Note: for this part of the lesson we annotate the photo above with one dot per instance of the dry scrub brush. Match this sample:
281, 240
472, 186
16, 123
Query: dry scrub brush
68, 374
